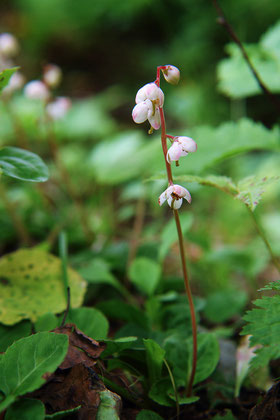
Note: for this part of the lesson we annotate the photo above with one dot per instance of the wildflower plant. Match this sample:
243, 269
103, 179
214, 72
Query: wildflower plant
149, 106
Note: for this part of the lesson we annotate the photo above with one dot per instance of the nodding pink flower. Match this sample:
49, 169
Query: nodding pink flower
171, 74
8, 45
181, 146
59, 108
36, 90
174, 196
148, 101
52, 75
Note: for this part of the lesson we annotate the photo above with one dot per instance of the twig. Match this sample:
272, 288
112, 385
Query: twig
222, 20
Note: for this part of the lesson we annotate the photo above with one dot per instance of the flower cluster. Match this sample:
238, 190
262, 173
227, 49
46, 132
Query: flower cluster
149, 101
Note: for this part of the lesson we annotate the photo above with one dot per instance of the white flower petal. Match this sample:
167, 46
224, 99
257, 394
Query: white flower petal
187, 143
162, 198
154, 120
174, 203
174, 152
141, 111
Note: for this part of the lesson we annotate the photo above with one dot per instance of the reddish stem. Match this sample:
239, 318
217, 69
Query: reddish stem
190, 299
181, 246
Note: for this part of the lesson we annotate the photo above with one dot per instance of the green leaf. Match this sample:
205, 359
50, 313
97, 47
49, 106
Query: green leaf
109, 406
98, 272
118, 309
223, 305
226, 416
251, 189
91, 321
208, 355
118, 345
5, 76
26, 409
22, 164
264, 327
148, 415
169, 233
62, 414
31, 285
46, 322
10, 334
145, 275
162, 393
25, 362
155, 357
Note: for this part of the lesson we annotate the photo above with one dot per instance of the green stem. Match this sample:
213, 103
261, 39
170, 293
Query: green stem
274, 259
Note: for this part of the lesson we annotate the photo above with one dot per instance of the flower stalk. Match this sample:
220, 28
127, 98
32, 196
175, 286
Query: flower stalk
149, 106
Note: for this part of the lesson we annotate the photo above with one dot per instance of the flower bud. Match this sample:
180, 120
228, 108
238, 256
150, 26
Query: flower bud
58, 109
150, 91
171, 74
141, 111
187, 144
52, 75
36, 90
8, 45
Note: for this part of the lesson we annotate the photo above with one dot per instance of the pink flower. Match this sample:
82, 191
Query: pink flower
174, 196
58, 108
36, 90
8, 45
181, 146
171, 74
52, 75
148, 101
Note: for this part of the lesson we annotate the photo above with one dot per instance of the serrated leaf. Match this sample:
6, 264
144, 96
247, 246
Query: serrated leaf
22, 164
251, 190
23, 365
26, 409
31, 285
145, 275
263, 324
5, 76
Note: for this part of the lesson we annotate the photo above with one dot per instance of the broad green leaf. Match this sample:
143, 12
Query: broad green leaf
145, 275
118, 309
25, 362
155, 357
162, 393
169, 233
22, 164
251, 189
5, 76
118, 345
26, 409
31, 285
222, 183
224, 304
264, 327
91, 321
98, 272
208, 355
10, 334
109, 406
148, 415
46, 322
